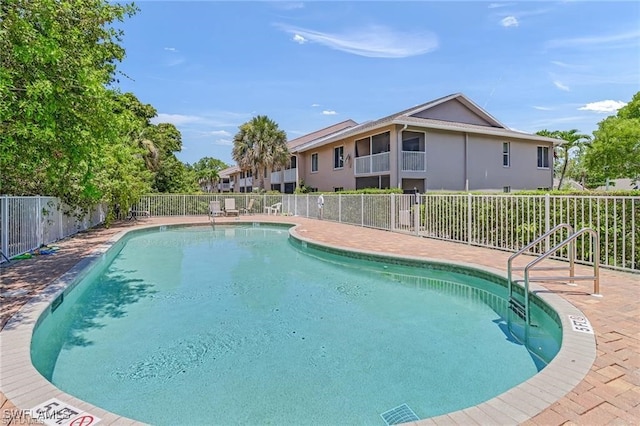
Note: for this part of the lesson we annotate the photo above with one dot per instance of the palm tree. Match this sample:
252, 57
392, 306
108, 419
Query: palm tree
260, 146
570, 139
208, 172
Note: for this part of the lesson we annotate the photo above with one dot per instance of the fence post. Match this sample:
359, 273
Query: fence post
393, 212
4, 206
547, 220
469, 218
361, 209
339, 207
39, 227
416, 214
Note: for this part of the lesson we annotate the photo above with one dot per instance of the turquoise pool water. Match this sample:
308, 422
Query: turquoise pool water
237, 325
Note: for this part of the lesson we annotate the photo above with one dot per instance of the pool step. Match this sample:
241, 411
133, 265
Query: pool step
517, 307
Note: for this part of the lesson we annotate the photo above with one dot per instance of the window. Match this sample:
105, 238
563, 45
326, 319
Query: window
412, 144
543, 157
338, 158
506, 189
338, 189
506, 154
314, 162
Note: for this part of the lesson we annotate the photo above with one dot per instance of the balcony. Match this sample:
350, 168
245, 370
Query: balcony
290, 175
284, 176
376, 163
414, 161
276, 177
246, 182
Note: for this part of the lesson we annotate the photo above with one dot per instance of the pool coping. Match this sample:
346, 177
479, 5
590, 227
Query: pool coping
26, 388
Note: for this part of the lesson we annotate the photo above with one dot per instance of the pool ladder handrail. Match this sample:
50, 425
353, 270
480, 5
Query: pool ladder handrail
570, 241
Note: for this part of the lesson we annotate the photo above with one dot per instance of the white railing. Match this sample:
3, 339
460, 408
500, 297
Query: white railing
414, 161
276, 177
246, 182
27, 223
290, 175
375, 163
506, 222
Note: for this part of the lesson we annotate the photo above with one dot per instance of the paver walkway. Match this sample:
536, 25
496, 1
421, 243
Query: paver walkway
609, 394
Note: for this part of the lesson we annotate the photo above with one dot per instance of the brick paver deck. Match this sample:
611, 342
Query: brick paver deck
609, 394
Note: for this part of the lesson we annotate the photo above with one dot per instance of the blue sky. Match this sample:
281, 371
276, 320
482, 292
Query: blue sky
209, 66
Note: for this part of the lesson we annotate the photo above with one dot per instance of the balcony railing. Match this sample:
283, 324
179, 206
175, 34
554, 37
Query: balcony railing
276, 177
375, 163
414, 161
290, 175
246, 182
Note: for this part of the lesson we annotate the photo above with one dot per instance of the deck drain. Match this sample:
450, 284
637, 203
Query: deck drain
400, 414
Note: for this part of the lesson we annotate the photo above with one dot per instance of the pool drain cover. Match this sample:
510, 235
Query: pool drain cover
400, 414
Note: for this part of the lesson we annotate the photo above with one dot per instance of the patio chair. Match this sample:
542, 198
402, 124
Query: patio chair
249, 208
214, 209
275, 209
230, 207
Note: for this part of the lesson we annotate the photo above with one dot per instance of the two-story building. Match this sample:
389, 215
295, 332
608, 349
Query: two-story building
446, 144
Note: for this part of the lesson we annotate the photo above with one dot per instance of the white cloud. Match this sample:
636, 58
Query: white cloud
498, 5
542, 108
299, 39
328, 112
224, 142
561, 86
175, 119
315, 105
603, 106
176, 61
595, 40
220, 133
288, 5
509, 21
171, 49
373, 41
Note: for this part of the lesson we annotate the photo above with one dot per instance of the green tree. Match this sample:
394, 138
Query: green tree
207, 172
572, 141
615, 150
57, 119
260, 146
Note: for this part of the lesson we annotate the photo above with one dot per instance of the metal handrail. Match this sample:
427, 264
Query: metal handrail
533, 243
595, 245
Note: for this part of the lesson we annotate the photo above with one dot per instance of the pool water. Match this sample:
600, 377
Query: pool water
236, 325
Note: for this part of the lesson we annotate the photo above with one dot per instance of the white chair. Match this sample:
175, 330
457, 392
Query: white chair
275, 209
230, 207
214, 209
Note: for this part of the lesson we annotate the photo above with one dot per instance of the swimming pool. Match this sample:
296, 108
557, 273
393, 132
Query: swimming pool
219, 331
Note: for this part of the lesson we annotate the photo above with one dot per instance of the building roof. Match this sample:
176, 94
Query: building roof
321, 133
407, 117
228, 171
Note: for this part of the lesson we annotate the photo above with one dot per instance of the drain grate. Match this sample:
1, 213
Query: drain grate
400, 414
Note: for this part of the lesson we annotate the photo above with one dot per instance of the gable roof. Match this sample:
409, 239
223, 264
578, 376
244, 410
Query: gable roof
408, 117
228, 171
327, 131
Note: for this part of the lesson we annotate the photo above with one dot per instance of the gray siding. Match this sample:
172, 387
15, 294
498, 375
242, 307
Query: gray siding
485, 169
453, 110
445, 161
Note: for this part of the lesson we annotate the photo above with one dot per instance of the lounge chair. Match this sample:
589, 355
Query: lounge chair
275, 209
249, 208
230, 207
214, 209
